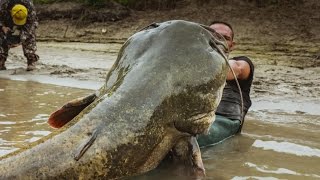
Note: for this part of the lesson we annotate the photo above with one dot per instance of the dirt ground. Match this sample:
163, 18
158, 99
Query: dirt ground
283, 40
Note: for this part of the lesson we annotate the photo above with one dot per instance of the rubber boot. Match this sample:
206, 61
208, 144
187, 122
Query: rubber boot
31, 65
31, 61
2, 63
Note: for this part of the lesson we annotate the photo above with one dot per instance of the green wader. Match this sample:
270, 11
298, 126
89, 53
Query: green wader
220, 129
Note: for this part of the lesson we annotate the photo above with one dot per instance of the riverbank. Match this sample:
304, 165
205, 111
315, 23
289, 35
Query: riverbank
282, 22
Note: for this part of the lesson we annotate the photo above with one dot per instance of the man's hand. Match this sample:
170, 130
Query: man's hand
5, 29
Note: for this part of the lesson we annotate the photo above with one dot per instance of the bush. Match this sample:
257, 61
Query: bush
89, 2
94, 2
45, 1
135, 4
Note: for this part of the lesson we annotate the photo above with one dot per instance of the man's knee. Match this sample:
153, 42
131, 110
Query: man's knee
3, 47
221, 129
3, 57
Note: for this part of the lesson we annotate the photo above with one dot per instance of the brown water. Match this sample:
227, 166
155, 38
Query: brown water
264, 150
24, 109
276, 143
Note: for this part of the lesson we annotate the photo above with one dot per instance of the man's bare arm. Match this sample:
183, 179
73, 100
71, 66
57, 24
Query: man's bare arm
240, 68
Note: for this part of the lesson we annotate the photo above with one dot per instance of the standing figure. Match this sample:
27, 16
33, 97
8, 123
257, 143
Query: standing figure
18, 20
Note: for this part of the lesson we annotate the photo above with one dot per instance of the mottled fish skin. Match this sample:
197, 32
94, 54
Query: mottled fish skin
165, 85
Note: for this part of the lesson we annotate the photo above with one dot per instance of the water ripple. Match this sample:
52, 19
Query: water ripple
265, 169
286, 147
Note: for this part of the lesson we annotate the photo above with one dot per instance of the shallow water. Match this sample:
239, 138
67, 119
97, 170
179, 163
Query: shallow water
276, 143
264, 150
24, 109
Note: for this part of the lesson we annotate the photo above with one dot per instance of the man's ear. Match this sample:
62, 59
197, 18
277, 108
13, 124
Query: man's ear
232, 46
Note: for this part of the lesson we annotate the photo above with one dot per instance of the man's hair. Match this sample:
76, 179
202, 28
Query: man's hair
224, 23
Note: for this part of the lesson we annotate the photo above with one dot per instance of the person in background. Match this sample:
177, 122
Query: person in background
229, 113
18, 19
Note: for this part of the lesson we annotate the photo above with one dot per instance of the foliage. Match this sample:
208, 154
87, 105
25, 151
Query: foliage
124, 2
45, 1
89, 2
171, 4
94, 2
135, 4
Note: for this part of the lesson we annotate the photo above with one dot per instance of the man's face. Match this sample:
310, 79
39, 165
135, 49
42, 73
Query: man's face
226, 32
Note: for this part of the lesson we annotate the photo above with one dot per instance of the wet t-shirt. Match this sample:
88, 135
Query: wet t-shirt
230, 105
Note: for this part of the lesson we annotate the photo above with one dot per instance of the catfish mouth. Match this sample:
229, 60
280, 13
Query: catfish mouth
197, 124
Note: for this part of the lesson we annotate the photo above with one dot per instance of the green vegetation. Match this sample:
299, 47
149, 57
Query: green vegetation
89, 2
135, 4
171, 4
44, 1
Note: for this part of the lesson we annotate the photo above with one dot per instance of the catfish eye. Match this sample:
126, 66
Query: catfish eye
150, 26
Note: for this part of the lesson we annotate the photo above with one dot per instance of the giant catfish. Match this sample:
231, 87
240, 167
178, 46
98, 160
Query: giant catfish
164, 86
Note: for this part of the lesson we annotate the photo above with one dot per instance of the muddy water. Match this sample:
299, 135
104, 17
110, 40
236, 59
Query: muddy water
277, 141
280, 139
24, 109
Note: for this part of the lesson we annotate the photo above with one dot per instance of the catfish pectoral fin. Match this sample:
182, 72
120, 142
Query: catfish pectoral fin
196, 158
70, 110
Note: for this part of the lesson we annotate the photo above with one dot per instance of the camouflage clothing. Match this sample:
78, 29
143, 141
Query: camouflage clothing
26, 32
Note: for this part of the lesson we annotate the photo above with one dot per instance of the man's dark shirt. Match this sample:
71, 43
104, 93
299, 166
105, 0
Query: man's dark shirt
230, 105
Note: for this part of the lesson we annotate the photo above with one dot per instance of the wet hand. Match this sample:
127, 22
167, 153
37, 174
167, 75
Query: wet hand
6, 29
